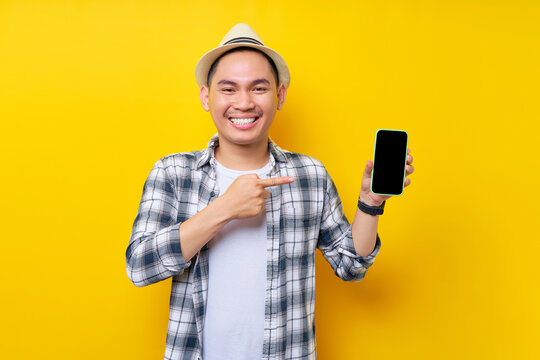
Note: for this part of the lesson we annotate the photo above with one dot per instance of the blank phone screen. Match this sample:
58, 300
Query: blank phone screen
389, 162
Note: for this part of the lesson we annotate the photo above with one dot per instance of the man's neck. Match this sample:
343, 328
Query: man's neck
242, 157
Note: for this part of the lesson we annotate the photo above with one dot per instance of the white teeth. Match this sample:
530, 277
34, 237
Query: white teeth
242, 121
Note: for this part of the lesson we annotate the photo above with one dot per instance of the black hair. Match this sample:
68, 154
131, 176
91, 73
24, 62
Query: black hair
213, 68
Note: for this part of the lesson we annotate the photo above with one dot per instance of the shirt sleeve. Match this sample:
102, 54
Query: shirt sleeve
336, 242
154, 252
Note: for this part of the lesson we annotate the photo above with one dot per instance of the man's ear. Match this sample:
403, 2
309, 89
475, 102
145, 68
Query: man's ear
203, 94
281, 94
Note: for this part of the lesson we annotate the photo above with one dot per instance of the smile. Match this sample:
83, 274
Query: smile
242, 121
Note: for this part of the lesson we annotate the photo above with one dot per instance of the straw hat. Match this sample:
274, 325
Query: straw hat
240, 35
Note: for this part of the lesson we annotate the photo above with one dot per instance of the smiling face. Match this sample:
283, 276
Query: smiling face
243, 98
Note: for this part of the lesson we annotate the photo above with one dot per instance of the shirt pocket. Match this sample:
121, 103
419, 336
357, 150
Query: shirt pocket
300, 232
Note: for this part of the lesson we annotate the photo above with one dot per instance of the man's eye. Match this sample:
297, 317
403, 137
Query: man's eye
260, 89
227, 90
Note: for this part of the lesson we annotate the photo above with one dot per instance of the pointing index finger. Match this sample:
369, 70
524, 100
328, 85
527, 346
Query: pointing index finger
276, 181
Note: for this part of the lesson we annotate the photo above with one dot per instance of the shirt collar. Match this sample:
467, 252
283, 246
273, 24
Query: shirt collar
207, 155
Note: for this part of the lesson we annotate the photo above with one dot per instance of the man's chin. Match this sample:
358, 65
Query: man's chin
247, 140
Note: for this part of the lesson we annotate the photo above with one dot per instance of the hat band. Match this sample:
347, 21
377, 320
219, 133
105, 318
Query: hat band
243, 40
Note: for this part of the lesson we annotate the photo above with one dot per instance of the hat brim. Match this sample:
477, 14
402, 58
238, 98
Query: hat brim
206, 61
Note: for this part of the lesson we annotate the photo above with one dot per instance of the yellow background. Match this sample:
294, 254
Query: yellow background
92, 93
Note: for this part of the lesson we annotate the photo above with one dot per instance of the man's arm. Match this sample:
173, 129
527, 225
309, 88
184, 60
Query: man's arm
364, 232
245, 197
160, 247
154, 251
364, 227
351, 249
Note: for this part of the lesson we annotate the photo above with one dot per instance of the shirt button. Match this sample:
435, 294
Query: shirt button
212, 194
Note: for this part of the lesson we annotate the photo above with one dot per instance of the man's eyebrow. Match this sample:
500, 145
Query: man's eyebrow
254, 82
226, 82
261, 80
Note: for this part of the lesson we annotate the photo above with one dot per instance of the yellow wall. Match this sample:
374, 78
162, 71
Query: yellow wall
92, 93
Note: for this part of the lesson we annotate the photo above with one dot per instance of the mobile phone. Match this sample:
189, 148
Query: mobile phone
389, 162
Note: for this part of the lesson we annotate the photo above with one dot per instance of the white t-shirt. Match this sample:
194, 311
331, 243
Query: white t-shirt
234, 322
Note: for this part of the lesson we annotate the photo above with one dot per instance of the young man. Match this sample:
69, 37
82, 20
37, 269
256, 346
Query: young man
236, 225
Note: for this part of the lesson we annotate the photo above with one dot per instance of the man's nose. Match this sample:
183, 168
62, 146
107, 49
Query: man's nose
244, 100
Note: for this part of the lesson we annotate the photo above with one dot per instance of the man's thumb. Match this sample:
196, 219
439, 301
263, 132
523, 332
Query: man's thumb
369, 168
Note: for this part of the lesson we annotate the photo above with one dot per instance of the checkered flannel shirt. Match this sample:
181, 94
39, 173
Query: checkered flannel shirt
300, 216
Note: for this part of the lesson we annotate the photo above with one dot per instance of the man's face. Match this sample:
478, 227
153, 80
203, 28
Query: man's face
242, 98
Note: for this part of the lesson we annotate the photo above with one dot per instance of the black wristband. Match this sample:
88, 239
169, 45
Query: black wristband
371, 210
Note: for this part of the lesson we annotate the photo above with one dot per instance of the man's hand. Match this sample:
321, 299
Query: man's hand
372, 199
246, 196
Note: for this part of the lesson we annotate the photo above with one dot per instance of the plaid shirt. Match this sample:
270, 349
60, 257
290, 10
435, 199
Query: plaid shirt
300, 216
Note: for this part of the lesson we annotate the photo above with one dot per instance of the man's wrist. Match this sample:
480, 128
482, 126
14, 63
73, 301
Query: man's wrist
224, 212
369, 202
369, 208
